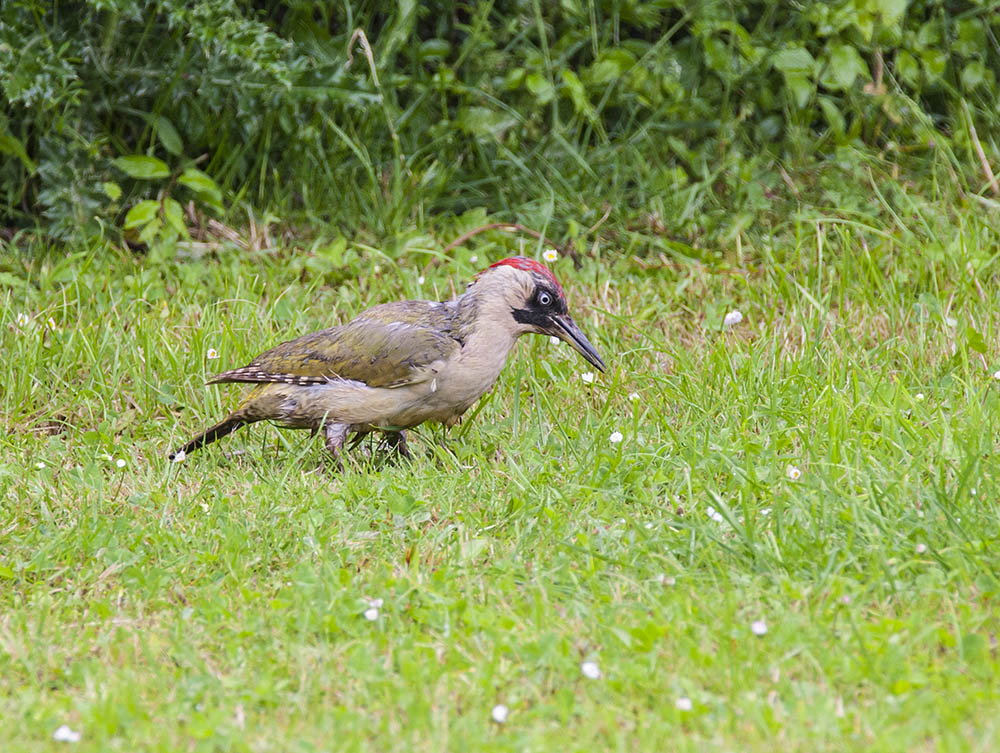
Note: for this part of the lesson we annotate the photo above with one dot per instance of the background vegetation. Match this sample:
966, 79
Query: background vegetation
707, 118
777, 534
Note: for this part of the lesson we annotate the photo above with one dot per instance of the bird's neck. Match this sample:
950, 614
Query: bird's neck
484, 324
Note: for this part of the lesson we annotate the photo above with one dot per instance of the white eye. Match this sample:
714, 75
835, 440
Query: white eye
544, 299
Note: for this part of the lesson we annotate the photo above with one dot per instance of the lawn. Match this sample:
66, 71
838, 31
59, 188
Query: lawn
793, 546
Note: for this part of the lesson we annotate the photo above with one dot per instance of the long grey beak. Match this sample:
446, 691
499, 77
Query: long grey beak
565, 328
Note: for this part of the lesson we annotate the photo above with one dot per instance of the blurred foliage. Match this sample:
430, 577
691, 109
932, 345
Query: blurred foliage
694, 115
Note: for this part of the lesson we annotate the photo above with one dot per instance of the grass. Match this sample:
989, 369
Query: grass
219, 604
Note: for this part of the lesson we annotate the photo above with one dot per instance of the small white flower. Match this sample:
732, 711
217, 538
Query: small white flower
845, 599
550, 255
377, 268
371, 614
919, 397
666, 580
473, 259
951, 321
684, 703
50, 323
733, 317
64, 734
591, 670
616, 437
996, 374
420, 280
554, 340
120, 463
377, 603
179, 457
40, 465
648, 526
758, 627
714, 514
212, 354
766, 511
499, 713
633, 396
921, 548
793, 473
22, 319
204, 507
587, 377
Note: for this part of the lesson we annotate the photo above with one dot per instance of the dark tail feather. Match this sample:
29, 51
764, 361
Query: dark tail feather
208, 436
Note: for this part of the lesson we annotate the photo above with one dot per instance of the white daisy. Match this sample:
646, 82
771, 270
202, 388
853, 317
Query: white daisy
64, 734
499, 713
591, 670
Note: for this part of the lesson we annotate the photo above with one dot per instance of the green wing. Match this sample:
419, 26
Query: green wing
391, 345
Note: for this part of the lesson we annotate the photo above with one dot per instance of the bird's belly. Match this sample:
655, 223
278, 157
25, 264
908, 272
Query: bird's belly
355, 404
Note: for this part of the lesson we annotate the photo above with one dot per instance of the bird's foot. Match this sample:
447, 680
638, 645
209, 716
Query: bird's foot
397, 440
336, 435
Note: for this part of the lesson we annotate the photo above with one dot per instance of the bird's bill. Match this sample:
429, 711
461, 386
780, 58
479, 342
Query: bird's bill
565, 329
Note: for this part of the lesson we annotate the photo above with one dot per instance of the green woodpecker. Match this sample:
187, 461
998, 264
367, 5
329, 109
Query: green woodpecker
399, 364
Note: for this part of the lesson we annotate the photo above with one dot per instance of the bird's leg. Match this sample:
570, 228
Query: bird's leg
397, 440
336, 435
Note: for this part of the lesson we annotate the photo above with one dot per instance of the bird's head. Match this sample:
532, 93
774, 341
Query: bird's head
533, 301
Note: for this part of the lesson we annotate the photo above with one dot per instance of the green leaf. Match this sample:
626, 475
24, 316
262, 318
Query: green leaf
800, 87
201, 184
935, 62
112, 190
142, 166
577, 94
541, 87
834, 117
975, 340
793, 59
141, 214
8, 280
173, 213
908, 69
167, 134
610, 66
845, 66
481, 121
434, 48
10, 144
6, 572
891, 11
973, 75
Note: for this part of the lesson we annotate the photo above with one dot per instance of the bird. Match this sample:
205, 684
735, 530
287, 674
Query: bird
400, 364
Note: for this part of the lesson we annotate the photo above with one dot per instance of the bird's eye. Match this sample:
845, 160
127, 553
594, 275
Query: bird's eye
544, 299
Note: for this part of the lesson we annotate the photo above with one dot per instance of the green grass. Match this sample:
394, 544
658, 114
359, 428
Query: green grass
218, 604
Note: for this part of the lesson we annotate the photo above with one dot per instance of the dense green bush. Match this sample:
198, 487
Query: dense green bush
694, 113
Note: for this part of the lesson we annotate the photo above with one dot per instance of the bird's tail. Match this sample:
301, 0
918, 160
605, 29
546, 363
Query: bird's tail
208, 436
